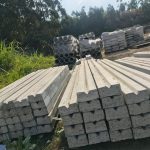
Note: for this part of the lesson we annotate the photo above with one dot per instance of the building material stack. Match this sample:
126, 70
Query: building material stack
135, 86
90, 106
116, 111
29, 104
140, 64
71, 115
134, 35
89, 45
114, 41
66, 49
145, 54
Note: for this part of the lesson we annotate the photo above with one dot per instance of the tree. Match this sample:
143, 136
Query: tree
32, 23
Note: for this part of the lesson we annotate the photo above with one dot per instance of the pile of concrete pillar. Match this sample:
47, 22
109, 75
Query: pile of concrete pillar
66, 49
134, 35
106, 101
90, 47
114, 41
27, 106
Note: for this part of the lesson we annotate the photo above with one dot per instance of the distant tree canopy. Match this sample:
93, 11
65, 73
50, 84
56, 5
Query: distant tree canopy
31, 22
34, 23
99, 20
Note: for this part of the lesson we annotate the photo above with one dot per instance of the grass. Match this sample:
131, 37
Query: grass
15, 64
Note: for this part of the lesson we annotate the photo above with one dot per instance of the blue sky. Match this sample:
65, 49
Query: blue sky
71, 5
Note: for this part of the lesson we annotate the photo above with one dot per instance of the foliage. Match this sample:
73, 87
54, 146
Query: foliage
14, 65
31, 22
21, 144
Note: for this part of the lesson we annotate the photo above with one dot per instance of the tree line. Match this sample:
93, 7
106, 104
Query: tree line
34, 23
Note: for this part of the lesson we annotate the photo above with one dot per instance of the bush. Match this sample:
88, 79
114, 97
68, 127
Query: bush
14, 65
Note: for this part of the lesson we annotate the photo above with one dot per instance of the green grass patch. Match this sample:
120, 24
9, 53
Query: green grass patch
14, 65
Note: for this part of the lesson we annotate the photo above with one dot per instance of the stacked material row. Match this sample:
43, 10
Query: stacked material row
145, 54
66, 49
27, 106
134, 35
90, 47
106, 101
90, 35
114, 41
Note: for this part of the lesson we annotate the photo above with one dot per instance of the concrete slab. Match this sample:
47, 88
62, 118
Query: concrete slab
89, 105
72, 119
30, 131
3, 130
93, 116
97, 126
77, 141
25, 118
15, 127
16, 134
139, 108
4, 137
113, 101
141, 132
40, 112
116, 113
124, 123
43, 120
29, 124
2, 122
73, 130
141, 120
44, 129
121, 135
99, 137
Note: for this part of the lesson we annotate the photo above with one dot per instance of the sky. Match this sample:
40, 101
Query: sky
73, 5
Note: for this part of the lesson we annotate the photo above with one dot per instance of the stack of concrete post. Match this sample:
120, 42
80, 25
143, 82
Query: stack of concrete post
111, 100
114, 41
135, 87
90, 35
90, 47
116, 111
66, 49
71, 115
90, 106
29, 104
134, 35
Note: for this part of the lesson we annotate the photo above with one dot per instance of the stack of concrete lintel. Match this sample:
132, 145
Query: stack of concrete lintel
29, 104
